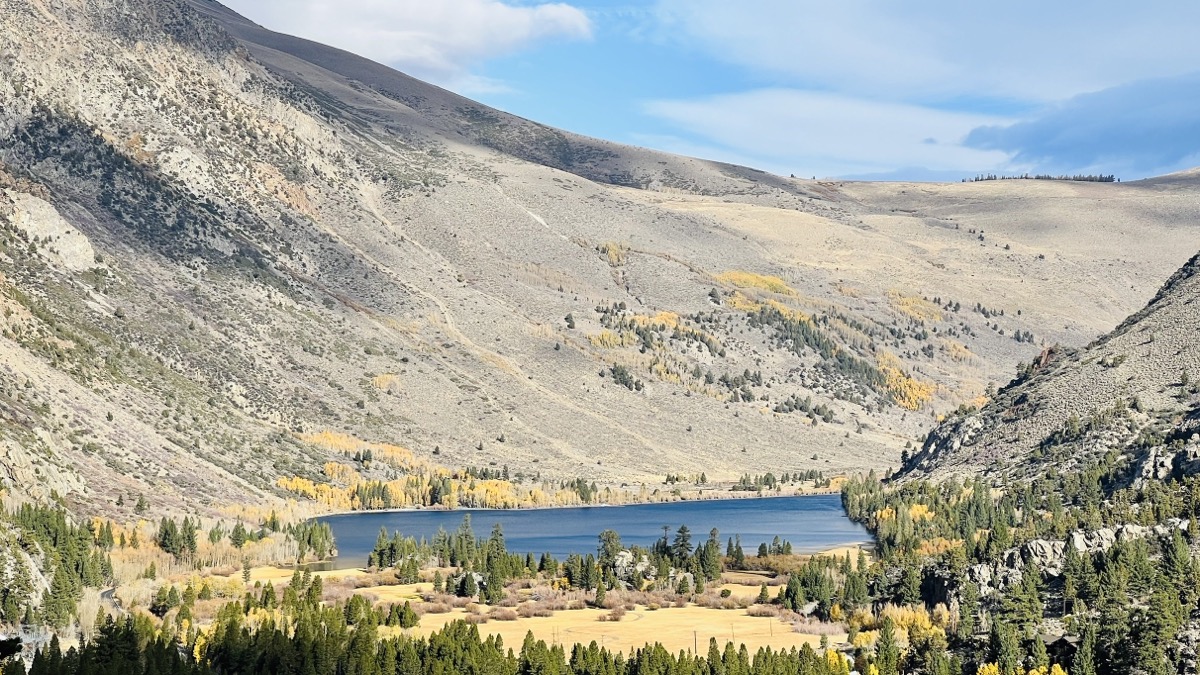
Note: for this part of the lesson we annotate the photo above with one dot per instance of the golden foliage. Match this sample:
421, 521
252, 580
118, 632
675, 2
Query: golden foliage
909, 620
915, 307
342, 473
760, 281
938, 546
789, 312
386, 382
837, 664
668, 319
608, 339
865, 639
396, 456
942, 616
616, 252
957, 351
907, 391
988, 669
740, 302
920, 512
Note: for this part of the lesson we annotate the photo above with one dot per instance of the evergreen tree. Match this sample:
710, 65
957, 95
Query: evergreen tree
408, 616
1085, 656
238, 536
887, 650
681, 548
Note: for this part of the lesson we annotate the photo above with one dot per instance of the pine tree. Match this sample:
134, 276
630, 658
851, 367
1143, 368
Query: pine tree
408, 616
887, 650
1005, 648
909, 590
681, 548
468, 588
238, 536
1085, 657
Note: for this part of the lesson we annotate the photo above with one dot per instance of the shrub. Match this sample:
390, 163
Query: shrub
503, 614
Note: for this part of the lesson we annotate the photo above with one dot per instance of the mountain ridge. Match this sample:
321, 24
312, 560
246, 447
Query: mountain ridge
227, 269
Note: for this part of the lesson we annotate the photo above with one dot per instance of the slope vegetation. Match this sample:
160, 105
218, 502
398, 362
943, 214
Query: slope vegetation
232, 262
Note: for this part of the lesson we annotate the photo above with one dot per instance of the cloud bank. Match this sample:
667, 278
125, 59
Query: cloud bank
1137, 129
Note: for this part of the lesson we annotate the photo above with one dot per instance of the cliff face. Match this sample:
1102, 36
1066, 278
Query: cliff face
1132, 392
227, 256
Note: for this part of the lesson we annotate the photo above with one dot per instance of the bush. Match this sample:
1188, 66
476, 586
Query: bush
503, 614
531, 609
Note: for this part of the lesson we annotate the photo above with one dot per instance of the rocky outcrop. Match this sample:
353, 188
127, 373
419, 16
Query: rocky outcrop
625, 566
1048, 556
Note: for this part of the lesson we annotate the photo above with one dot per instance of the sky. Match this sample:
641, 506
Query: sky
935, 90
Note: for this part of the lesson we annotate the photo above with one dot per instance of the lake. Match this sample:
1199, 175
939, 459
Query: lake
811, 523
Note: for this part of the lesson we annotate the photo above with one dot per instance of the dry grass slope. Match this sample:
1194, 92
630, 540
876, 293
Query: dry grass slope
217, 242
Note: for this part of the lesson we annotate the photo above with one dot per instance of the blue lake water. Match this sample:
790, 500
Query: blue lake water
811, 524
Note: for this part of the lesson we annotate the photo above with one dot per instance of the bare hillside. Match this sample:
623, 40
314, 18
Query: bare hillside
229, 256
1132, 392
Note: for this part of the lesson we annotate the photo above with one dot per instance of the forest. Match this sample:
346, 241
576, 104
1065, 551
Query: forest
965, 579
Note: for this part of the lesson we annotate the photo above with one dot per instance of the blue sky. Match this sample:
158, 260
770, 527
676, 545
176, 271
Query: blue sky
937, 90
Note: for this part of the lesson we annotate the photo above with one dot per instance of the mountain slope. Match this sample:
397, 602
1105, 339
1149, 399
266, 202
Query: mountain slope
1131, 392
230, 257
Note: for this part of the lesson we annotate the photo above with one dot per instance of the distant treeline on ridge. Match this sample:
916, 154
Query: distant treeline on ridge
1090, 178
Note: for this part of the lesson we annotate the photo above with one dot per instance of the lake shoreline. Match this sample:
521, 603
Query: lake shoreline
812, 523
558, 507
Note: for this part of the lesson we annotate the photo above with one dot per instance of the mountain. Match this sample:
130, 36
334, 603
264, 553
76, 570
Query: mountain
230, 258
1132, 394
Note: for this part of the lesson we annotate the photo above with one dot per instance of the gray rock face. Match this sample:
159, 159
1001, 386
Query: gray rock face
625, 566
1049, 556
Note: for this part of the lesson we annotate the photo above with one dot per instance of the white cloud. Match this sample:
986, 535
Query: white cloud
809, 133
1028, 50
436, 40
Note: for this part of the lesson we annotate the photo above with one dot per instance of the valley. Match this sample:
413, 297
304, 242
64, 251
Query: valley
260, 297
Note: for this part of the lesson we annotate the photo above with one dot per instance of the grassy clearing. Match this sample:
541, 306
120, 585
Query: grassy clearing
677, 628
